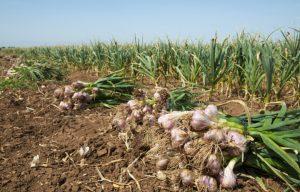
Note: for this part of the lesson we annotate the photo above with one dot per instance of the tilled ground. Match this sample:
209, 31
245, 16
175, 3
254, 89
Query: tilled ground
31, 124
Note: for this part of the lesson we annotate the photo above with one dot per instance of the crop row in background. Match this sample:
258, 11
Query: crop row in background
249, 65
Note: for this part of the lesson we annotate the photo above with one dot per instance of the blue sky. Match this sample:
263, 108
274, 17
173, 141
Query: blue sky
57, 22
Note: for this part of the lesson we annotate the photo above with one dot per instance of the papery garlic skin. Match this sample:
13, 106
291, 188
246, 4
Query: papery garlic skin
78, 96
130, 118
95, 90
83, 150
35, 161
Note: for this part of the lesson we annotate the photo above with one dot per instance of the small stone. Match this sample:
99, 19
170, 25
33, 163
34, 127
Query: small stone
35, 161
101, 152
84, 150
62, 180
161, 175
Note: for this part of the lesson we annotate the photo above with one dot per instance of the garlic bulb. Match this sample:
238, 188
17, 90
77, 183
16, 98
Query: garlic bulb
227, 177
165, 122
119, 123
87, 97
199, 121
190, 148
59, 93
78, 96
137, 114
157, 96
213, 164
237, 140
211, 111
161, 119
129, 118
133, 104
187, 177
178, 137
168, 124
65, 105
206, 183
79, 85
216, 135
82, 97
150, 119
162, 163
10, 73
147, 109
79, 105
68, 91
95, 90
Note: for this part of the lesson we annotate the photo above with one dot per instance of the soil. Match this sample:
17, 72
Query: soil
31, 124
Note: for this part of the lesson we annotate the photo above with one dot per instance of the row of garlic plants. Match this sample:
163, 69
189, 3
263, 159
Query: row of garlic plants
249, 65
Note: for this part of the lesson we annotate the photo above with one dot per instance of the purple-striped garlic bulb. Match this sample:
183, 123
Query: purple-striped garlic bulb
216, 135
206, 183
178, 137
187, 177
68, 91
211, 111
200, 121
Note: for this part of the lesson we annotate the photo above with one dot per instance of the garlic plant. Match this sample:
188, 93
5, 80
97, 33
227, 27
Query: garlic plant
107, 91
248, 64
202, 147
